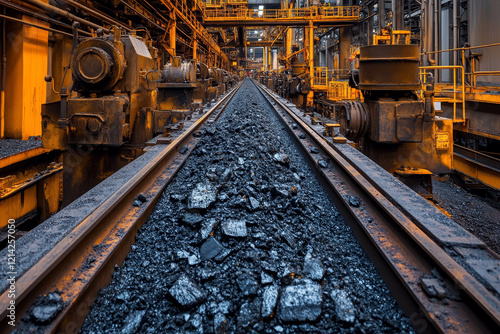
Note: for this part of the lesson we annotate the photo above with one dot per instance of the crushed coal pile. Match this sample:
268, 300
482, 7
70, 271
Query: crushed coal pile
245, 240
10, 147
475, 214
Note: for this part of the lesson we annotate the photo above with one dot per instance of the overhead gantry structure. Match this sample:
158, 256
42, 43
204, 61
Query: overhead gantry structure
281, 28
318, 15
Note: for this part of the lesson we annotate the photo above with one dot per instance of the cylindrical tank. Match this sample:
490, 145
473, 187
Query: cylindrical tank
202, 71
215, 74
97, 64
389, 67
185, 72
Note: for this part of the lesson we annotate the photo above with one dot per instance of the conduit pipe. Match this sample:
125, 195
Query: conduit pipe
455, 30
437, 34
98, 15
13, 19
63, 13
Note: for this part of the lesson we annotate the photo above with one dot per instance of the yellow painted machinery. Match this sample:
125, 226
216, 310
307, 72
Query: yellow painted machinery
114, 99
393, 126
200, 95
296, 84
121, 96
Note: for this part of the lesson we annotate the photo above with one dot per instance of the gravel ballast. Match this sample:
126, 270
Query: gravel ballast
245, 240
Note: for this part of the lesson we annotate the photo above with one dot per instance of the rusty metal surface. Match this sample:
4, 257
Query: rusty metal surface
22, 156
30, 184
389, 67
103, 222
97, 121
477, 165
392, 216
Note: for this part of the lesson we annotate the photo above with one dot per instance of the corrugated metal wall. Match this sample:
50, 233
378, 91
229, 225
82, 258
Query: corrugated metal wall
484, 28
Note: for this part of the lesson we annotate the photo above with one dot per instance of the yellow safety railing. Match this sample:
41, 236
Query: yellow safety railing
307, 13
334, 82
214, 3
323, 75
454, 100
473, 74
320, 78
339, 74
340, 90
222, 3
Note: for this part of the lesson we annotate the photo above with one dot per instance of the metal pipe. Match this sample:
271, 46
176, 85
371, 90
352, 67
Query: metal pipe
35, 25
58, 11
95, 13
2, 85
455, 30
125, 3
369, 30
429, 26
427, 34
381, 15
437, 30
38, 15
397, 14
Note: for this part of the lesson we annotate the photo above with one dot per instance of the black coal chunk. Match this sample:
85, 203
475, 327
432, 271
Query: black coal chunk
210, 249
192, 219
202, 197
249, 315
354, 201
186, 292
133, 321
344, 308
313, 268
282, 159
247, 284
301, 301
207, 227
46, 308
269, 300
253, 204
322, 163
234, 228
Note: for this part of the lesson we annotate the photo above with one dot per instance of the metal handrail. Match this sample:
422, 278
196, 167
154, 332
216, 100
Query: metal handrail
473, 74
423, 75
313, 12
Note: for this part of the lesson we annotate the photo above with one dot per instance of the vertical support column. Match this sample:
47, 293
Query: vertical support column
310, 45
289, 42
455, 29
381, 15
274, 59
398, 14
345, 45
369, 30
264, 58
269, 64
25, 89
437, 34
171, 33
195, 47
310, 37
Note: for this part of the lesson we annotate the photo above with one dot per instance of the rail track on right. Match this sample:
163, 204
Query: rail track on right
444, 278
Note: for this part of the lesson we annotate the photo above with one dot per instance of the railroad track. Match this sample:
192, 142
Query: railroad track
418, 263
103, 238
439, 294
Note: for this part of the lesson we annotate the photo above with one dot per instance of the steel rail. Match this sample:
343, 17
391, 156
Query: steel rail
406, 248
56, 269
